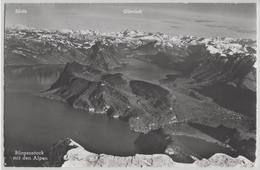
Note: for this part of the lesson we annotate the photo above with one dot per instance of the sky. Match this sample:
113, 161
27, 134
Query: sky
207, 20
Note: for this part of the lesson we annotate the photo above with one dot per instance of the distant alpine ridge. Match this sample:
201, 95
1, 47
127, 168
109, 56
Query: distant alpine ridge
82, 42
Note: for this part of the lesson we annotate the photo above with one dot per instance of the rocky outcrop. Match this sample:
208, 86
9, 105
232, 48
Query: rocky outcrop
68, 153
222, 160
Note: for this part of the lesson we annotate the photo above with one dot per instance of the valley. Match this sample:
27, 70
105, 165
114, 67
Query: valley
130, 93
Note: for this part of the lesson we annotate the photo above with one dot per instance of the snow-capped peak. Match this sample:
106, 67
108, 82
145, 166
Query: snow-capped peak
134, 38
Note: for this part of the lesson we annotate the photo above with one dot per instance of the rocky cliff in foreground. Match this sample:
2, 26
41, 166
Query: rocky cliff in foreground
68, 153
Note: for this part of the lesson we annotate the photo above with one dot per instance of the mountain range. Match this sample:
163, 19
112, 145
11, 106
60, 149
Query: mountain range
183, 103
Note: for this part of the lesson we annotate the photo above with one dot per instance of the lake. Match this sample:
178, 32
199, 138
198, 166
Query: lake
33, 123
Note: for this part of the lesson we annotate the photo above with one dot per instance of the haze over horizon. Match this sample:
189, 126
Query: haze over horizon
207, 20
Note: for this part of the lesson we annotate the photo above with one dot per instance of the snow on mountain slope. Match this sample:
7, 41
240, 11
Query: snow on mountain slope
133, 38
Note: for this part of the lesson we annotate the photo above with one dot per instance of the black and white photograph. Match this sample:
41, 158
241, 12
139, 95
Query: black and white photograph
139, 85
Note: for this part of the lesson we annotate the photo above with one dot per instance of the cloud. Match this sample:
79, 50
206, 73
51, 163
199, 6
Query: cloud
215, 26
175, 26
233, 28
172, 22
203, 20
242, 30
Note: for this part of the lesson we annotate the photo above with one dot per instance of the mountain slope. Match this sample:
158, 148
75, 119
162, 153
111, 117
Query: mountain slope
114, 94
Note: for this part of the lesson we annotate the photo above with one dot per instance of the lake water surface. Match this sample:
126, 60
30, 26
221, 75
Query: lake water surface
33, 123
